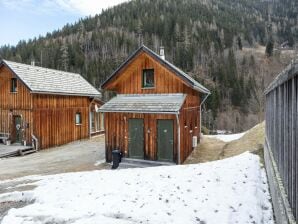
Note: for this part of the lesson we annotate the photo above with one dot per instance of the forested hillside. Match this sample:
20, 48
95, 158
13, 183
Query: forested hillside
218, 42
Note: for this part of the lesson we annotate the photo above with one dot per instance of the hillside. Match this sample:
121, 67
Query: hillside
219, 42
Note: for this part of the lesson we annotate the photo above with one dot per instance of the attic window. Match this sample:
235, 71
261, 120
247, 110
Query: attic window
148, 78
14, 85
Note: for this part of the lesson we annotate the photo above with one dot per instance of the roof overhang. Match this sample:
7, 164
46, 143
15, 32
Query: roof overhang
145, 103
65, 94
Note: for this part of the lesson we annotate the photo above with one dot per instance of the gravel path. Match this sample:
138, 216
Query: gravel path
76, 156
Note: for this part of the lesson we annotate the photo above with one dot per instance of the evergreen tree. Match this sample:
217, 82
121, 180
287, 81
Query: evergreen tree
239, 42
269, 47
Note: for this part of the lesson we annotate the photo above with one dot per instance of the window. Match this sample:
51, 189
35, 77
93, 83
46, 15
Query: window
102, 121
148, 78
97, 121
78, 118
14, 87
92, 117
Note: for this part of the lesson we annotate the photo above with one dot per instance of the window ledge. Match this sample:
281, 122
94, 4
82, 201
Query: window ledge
78, 124
14, 92
148, 88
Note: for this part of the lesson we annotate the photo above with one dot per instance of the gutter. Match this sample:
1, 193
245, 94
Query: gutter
201, 111
178, 146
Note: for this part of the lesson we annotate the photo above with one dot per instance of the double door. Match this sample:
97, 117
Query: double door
164, 139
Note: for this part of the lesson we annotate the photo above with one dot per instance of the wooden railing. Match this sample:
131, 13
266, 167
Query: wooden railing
282, 129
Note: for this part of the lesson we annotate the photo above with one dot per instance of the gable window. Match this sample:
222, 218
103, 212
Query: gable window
14, 85
148, 78
78, 118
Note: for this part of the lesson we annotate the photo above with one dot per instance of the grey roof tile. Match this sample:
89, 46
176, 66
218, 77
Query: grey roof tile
44, 80
145, 103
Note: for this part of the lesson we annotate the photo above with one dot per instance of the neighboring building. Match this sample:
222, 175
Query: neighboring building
156, 114
96, 118
281, 144
50, 106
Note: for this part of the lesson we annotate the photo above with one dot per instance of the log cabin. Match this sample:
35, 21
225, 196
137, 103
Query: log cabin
156, 114
45, 106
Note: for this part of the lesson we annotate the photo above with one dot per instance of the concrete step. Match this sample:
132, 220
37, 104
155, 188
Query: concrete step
138, 163
27, 151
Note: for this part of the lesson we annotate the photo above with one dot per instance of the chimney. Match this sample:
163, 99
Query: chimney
162, 52
33, 62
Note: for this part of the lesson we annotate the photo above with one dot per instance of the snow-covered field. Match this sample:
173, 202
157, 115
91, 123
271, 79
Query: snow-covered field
228, 191
226, 138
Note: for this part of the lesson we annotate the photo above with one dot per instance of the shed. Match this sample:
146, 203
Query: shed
156, 114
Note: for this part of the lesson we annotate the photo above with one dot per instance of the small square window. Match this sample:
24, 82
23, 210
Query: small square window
148, 78
14, 85
78, 118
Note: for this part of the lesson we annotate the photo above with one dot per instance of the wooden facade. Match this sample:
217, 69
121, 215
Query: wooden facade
48, 117
128, 80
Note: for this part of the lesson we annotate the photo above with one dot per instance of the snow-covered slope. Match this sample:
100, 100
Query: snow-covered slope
228, 191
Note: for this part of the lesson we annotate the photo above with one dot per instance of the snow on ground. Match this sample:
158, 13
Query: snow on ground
226, 138
228, 191
99, 162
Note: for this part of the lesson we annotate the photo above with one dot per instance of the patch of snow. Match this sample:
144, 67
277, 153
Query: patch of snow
99, 162
222, 132
16, 196
226, 138
228, 191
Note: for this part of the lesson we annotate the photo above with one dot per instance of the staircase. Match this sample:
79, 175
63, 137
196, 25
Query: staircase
15, 150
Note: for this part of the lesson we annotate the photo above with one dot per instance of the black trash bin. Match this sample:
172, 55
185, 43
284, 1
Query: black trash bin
116, 158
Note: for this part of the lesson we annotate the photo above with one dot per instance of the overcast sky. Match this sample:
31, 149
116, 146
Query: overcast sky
24, 19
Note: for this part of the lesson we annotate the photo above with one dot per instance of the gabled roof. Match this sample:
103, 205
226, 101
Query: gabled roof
50, 81
145, 103
193, 83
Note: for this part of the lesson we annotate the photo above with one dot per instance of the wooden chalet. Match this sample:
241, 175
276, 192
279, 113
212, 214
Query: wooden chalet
156, 113
45, 106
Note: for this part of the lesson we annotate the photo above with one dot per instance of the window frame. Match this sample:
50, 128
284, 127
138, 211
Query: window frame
144, 86
14, 85
80, 118
93, 122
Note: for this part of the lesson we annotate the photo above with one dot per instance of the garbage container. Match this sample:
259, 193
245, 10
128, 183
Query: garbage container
116, 158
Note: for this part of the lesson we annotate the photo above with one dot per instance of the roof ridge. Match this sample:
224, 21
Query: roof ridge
39, 67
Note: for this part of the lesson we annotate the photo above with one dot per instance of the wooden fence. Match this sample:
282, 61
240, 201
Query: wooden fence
281, 130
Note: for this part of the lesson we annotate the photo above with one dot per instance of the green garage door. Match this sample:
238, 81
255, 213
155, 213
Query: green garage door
165, 140
136, 138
